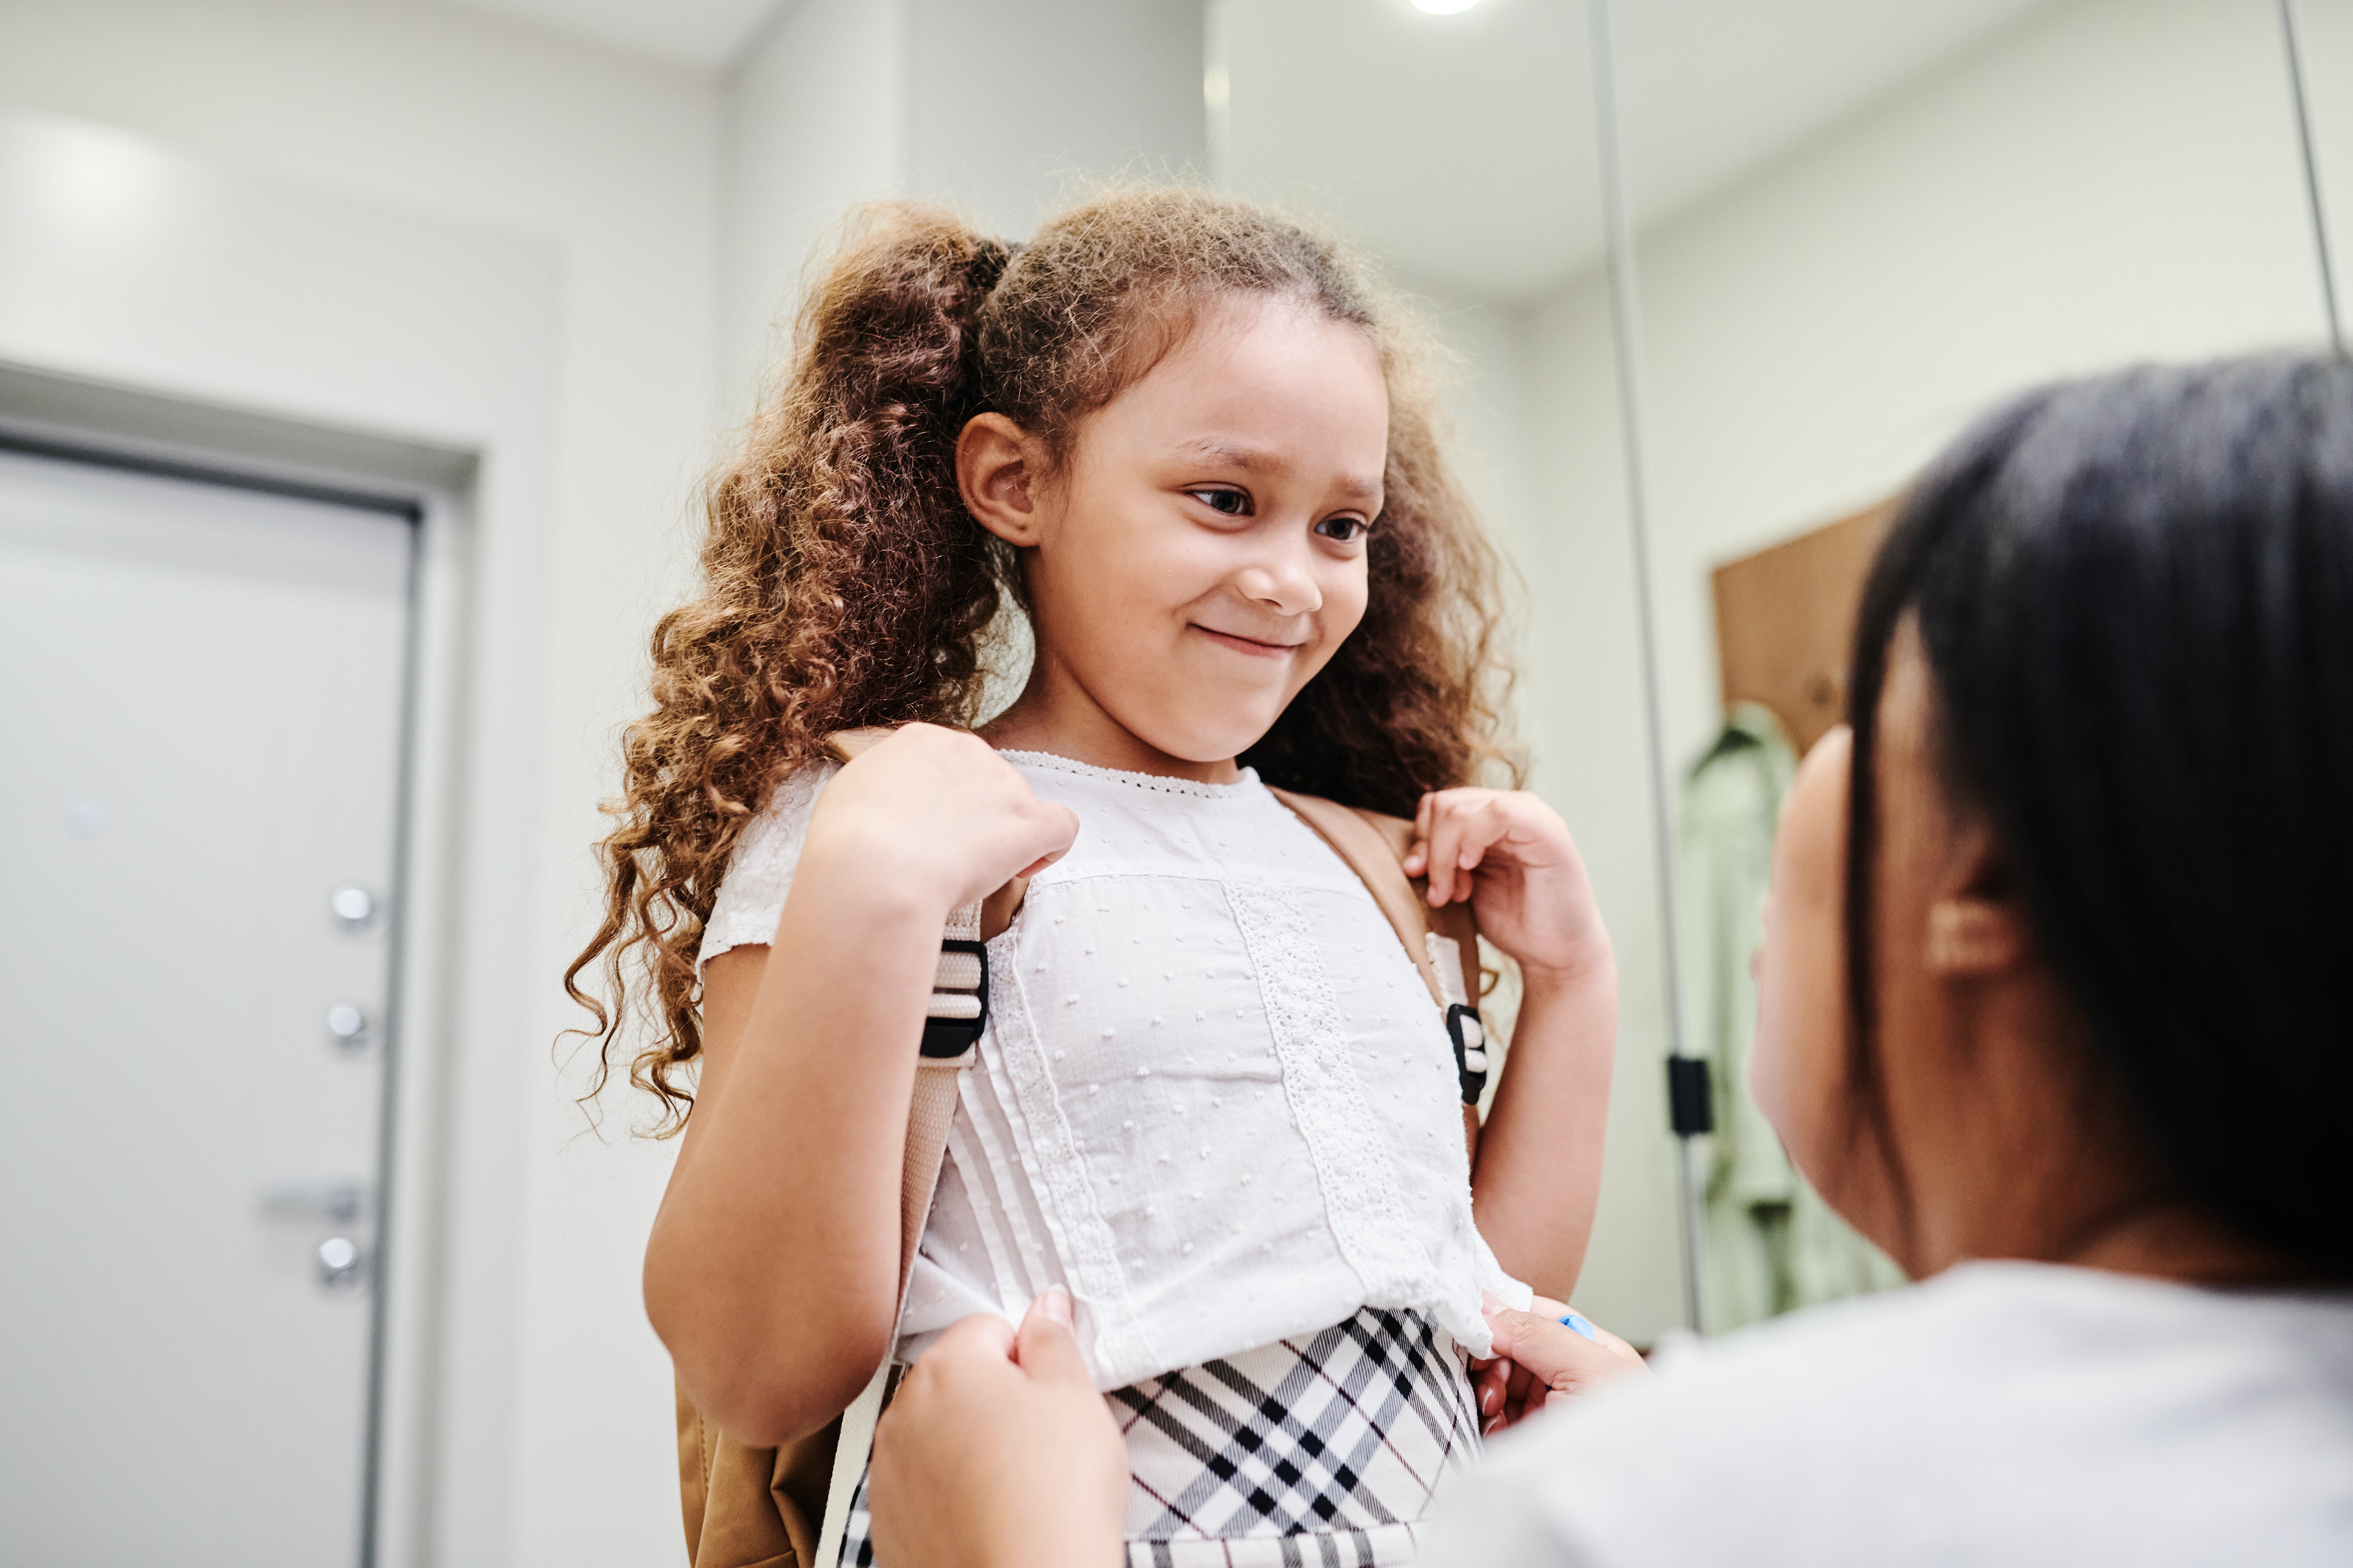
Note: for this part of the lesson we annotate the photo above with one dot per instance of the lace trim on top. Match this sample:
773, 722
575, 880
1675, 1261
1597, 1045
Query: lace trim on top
1248, 784
1368, 1218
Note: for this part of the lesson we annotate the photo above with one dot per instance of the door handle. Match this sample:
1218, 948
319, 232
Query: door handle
332, 1203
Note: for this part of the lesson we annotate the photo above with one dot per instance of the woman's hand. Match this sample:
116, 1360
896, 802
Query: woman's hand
998, 1452
1511, 856
937, 815
1539, 1359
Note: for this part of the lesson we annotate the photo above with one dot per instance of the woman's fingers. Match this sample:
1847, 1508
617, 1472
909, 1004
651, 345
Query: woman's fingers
1562, 1358
974, 1353
999, 1451
1489, 1382
1044, 1347
978, 1340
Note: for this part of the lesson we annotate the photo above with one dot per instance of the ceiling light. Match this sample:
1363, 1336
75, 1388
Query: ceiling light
1443, 7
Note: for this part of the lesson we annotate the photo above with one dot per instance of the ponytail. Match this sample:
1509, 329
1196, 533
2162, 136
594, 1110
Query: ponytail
845, 585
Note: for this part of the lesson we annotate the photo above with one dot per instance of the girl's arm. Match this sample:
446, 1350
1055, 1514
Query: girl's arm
772, 1271
1536, 1175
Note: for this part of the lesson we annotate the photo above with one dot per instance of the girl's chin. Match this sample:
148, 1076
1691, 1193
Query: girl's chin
1215, 742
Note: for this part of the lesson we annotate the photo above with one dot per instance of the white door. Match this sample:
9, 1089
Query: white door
200, 733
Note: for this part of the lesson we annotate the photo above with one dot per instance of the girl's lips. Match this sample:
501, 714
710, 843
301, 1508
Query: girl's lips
1246, 645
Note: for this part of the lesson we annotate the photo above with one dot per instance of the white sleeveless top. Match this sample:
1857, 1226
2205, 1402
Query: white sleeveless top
1214, 1100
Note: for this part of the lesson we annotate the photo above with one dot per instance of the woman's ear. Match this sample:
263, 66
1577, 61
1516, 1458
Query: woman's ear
996, 472
1976, 927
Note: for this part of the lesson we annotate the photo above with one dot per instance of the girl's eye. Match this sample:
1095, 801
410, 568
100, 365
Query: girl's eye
1232, 504
1346, 530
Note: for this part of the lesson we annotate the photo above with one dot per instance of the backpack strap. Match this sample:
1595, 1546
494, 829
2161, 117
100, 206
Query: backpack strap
953, 1023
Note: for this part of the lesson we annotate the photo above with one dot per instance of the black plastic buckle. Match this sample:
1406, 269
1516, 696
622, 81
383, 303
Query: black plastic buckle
948, 1038
1474, 1078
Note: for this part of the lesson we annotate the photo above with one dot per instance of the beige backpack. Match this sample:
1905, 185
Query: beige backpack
786, 1508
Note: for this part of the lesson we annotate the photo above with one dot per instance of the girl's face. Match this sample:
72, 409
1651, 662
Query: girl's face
1202, 553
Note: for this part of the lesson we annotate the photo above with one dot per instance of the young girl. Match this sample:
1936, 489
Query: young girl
1214, 1100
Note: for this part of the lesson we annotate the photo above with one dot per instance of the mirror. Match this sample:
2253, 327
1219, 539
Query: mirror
1856, 226
1861, 225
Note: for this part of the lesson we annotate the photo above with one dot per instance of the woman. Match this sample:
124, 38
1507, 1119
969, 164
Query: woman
2053, 1008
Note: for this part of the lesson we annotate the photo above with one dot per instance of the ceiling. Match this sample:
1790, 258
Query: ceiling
1461, 148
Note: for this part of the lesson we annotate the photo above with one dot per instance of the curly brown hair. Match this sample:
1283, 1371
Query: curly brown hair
845, 585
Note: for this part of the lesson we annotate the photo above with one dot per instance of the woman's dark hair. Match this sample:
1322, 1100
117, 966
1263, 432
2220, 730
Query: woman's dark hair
2135, 593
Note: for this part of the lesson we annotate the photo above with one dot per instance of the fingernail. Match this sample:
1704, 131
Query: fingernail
1490, 1303
1055, 1304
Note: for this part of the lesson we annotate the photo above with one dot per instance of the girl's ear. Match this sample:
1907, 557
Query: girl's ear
995, 470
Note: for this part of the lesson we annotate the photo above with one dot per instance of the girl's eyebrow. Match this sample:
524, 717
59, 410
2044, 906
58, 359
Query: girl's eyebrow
1265, 460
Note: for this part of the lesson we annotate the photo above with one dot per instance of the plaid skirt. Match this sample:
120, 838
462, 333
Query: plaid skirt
1323, 1452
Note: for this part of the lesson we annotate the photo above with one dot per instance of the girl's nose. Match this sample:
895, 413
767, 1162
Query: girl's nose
1282, 580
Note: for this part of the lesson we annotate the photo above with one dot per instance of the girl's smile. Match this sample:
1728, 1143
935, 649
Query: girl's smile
1249, 648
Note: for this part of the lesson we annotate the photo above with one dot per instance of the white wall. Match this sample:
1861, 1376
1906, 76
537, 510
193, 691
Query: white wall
1013, 105
1001, 110
817, 121
2114, 182
396, 131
